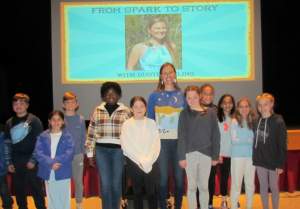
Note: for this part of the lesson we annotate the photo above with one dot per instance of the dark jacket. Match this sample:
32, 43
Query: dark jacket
64, 155
270, 142
3, 167
30, 127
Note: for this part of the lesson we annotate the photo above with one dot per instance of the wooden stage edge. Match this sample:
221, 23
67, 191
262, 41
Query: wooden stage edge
293, 139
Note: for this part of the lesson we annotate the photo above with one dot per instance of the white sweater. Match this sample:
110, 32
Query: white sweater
140, 142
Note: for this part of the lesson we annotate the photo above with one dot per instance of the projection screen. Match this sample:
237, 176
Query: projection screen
216, 42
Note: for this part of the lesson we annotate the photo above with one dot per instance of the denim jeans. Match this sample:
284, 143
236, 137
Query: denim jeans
168, 153
110, 163
7, 201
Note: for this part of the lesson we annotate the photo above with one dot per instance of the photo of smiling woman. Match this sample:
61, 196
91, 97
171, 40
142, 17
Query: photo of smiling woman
154, 46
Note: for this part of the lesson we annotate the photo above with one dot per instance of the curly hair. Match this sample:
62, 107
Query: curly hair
110, 85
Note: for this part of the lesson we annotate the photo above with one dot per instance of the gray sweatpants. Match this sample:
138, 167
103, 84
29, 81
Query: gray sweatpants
77, 171
268, 178
197, 171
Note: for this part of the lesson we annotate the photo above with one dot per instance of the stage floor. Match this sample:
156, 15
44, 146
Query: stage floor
287, 201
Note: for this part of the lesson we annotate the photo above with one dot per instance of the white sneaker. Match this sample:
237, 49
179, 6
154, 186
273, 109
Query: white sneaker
79, 206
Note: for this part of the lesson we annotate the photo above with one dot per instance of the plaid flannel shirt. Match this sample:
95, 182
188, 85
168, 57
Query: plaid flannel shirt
104, 128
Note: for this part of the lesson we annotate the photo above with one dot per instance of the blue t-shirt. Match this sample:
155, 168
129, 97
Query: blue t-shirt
164, 107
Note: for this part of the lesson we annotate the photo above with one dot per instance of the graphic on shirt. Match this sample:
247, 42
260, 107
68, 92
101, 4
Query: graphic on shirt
262, 132
167, 118
19, 132
226, 127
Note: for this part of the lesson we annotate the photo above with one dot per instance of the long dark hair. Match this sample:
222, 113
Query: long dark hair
161, 86
220, 114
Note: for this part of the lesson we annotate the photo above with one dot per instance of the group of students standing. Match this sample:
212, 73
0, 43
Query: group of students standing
183, 128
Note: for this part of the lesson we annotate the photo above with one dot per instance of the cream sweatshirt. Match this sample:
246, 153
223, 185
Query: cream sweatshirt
140, 142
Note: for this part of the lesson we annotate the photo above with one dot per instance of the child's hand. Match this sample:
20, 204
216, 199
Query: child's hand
30, 165
220, 159
11, 168
279, 171
182, 164
56, 166
214, 163
92, 162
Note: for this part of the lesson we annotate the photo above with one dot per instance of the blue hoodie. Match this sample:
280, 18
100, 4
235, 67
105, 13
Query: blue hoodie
3, 167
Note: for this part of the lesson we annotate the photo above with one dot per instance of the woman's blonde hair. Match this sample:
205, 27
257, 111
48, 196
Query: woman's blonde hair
161, 85
265, 96
238, 116
167, 41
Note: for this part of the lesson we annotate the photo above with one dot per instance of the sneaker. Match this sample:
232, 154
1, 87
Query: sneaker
169, 205
79, 206
224, 205
124, 204
238, 205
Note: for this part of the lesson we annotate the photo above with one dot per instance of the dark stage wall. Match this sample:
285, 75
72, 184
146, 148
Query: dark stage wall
25, 56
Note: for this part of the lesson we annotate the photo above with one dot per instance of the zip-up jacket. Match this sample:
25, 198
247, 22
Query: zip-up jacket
64, 155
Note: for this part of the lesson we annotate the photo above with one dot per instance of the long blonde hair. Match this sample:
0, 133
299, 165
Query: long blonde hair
238, 116
167, 41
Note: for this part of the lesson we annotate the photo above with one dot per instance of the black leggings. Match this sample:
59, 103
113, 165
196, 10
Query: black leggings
225, 170
138, 177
